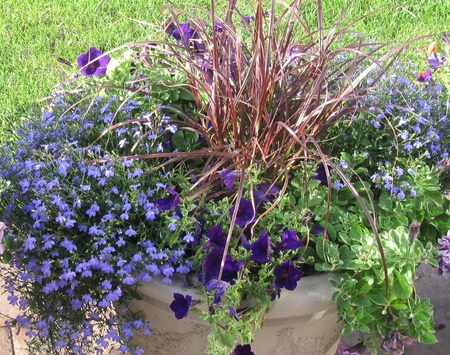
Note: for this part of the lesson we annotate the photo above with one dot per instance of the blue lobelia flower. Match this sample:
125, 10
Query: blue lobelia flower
245, 349
168, 202
89, 63
287, 275
246, 213
261, 249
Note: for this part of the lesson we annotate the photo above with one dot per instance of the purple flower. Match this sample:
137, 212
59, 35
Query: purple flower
185, 35
246, 213
181, 305
211, 267
436, 60
168, 202
243, 350
216, 238
261, 249
321, 174
424, 76
289, 241
265, 193
229, 177
287, 275
89, 63
220, 286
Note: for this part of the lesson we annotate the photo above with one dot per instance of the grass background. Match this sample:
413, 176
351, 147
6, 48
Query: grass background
33, 33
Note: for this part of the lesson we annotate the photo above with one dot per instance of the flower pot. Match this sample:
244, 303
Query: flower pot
302, 321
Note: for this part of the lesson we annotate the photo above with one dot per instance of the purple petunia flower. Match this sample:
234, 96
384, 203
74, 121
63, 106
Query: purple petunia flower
246, 213
289, 241
181, 305
168, 202
261, 249
186, 35
216, 238
229, 177
436, 60
321, 174
243, 350
211, 267
424, 77
265, 193
287, 275
89, 63
220, 286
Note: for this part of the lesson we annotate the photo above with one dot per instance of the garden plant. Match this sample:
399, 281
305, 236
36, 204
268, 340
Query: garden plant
245, 151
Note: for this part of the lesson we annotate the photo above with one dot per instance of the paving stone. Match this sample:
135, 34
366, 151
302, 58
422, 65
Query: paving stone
5, 342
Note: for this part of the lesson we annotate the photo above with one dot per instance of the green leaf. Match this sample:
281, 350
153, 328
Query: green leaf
401, 288
378, 298
385, 202
427, 338
6, 257
362, 301
179, 141
227, 339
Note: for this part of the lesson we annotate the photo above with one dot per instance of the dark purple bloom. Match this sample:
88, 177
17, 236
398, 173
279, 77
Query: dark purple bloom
185, 35
289, 241
317, 229
216, 238
287, 275
220, 286
243, 350
229, 177
436, 60
211, 267
90, 65
168, 202
424, 76
181, 305
261, 249
233, 312
246, 213
246, 19
321, 174
265, 193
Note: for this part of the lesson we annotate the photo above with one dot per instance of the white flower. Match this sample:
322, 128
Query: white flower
2, 246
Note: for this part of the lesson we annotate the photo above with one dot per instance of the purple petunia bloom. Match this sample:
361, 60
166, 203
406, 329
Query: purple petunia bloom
181, 305
246, 213
168, 202
287, 275
261, 249
321, 174
220, 286
265, 193
186, 35
216, 238
243, 350
436, 60
424, 77
289, 241
211, 267
89, 63
229, 177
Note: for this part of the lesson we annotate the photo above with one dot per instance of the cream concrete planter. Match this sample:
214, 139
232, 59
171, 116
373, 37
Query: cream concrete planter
301, 322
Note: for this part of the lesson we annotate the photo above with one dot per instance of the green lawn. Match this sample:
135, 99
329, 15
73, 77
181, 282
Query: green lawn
33, 33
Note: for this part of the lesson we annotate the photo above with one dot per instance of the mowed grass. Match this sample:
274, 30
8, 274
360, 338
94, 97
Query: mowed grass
34, 33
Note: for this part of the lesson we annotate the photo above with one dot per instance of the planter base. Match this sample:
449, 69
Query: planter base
301, 322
